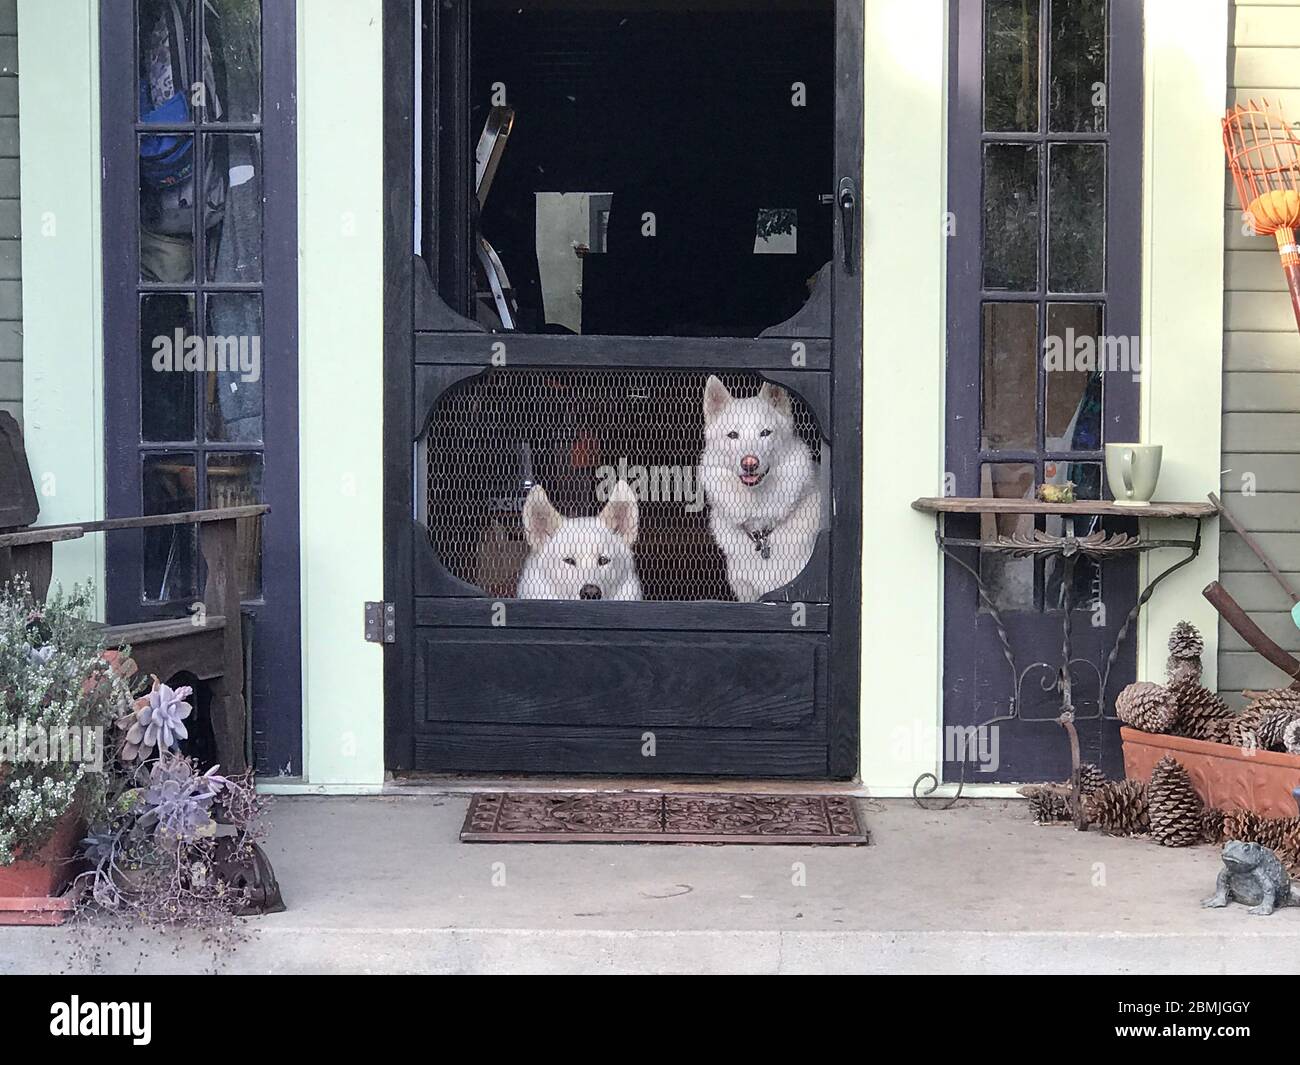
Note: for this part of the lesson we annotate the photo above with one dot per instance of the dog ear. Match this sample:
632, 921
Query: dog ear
778, 397
621, 514
716, 397
541, 519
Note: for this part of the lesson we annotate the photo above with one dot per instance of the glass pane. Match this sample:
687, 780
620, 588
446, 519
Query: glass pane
1071, 352
170, 353
170, 552
235, 480
234, 211
233, 29
165, 58
1087, 573
167, 208
1011, 217
1011, 65
1077, 83
1010, 580
232, 394
1009, 377
652, 169
1076, 230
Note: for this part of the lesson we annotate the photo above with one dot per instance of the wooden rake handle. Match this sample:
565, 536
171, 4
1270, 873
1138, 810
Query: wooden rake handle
1289, 253
1230, 610
1249, 539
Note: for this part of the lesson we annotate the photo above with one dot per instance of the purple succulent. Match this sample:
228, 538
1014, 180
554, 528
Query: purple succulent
156, 720
177, 801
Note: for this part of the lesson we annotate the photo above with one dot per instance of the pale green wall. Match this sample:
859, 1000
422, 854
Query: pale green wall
340, 286
902, 418
1182, 295
58, 62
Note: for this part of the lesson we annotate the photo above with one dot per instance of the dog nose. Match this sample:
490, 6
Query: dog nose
749, 463
589, 591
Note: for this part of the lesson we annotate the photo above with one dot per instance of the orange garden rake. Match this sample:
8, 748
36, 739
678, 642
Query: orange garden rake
1264, 156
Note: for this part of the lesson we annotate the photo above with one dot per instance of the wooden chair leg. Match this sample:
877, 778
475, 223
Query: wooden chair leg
221, 596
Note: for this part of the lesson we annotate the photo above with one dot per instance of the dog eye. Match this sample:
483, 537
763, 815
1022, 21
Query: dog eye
603, 560
733, 435
571, 561
766, 432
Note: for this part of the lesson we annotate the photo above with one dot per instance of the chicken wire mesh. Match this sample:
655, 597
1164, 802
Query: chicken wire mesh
622, 484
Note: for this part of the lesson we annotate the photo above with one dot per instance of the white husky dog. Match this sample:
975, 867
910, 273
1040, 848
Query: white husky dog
761, 483
580, 558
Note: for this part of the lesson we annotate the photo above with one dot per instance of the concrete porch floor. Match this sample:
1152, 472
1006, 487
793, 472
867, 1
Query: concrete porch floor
381, 884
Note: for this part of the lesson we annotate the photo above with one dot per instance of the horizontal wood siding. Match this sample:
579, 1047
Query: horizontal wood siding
1261, 370
11, 267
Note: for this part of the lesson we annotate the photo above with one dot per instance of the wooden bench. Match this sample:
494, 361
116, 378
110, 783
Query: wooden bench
208, 644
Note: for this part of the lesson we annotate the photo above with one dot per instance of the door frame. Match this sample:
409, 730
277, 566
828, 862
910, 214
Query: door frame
968, 641
277, 643
844, 573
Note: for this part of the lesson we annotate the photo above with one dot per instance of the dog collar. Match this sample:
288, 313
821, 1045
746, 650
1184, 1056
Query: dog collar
762, 541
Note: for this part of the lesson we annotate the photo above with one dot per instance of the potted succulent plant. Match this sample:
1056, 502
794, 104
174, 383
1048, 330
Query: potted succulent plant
176, 845
59, 696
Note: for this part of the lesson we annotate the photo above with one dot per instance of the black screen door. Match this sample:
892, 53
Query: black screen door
636, 221
1043, 352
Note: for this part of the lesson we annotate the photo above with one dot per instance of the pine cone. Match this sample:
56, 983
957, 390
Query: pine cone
1185, 650
1183, 670
1212, 821
1176, 808
1090, 779
1276, 709
1291, 737
1147, 707
1250, 827
1185, 641
1119, 807
1199, 713
1289, 852
1243, 731
1049, 803
1242, 825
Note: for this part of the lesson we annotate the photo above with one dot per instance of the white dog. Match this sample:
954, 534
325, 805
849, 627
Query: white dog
580, 558
761, 484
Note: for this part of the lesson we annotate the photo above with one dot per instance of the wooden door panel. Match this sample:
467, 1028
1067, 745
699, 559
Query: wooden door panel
650, 681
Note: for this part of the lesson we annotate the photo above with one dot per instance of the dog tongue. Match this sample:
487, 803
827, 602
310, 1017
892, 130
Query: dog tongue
749, 478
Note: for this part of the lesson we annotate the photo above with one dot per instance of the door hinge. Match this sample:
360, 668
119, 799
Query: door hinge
381, 623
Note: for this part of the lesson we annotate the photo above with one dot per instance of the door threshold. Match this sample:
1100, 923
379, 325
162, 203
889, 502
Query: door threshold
417, 783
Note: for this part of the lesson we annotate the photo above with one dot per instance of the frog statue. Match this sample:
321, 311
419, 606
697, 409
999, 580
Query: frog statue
1252, 874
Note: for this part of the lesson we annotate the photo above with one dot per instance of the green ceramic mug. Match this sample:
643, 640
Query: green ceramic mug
1132, 471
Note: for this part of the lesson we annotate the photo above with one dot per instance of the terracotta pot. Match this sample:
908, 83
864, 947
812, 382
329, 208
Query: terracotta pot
48, 871
1231, 778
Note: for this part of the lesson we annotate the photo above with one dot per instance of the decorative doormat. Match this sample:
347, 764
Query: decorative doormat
627, 817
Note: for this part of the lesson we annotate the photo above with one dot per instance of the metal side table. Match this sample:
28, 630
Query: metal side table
1069, 548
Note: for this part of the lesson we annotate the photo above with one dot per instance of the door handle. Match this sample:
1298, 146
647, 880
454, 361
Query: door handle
848, 200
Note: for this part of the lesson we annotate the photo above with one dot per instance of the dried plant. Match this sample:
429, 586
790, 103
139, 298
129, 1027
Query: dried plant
160, 861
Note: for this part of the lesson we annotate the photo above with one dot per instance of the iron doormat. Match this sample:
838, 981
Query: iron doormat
628, 817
